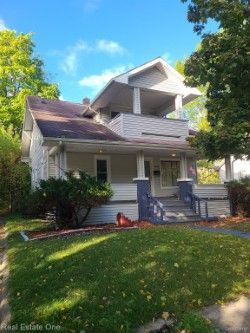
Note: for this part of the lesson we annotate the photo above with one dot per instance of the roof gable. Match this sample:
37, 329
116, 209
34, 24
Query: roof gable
165, 79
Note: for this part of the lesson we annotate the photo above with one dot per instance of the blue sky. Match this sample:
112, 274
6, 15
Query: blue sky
85, 42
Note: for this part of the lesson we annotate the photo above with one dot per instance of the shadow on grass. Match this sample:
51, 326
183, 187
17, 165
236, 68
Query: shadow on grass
116, 282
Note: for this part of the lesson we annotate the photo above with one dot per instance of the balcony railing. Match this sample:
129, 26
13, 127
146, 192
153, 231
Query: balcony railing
138, 126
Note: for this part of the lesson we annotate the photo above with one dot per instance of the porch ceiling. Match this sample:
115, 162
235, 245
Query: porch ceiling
119, 94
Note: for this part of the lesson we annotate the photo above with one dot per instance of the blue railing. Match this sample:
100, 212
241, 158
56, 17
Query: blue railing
156, 212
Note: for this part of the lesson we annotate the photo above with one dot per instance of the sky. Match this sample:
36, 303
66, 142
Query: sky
84, 43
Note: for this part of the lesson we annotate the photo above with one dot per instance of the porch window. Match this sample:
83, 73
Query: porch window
170, 172
102, 169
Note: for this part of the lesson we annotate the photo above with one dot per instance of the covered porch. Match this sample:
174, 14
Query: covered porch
122, 166
125, 166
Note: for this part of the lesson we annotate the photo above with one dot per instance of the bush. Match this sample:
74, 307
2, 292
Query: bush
14, 175
239, 193
72, 198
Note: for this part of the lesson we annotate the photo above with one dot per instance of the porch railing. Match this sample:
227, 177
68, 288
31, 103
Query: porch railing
200, 205
156, 212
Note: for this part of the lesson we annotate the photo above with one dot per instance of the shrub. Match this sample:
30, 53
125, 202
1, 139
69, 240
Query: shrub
239, 193
14, 175
72, 198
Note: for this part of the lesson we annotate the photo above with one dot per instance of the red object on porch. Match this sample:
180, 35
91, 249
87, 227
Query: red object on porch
123, 221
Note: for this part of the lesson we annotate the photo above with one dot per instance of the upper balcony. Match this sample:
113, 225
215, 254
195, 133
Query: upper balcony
139, 126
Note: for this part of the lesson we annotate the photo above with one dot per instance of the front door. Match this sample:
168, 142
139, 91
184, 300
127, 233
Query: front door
149, 174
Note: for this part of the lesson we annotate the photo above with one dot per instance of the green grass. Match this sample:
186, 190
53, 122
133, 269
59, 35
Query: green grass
116, 282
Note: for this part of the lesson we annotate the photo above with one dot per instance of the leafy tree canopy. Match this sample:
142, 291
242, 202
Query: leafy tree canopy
195, 112
21, 74
222, 64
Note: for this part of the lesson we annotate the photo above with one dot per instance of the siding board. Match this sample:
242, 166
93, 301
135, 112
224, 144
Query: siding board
154, 79
162, 129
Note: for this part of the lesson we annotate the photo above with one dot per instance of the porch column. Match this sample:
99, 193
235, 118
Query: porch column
62, 162
183, 166
143, 187
140, 165
184, 183
228, 168
136, 101
178, 106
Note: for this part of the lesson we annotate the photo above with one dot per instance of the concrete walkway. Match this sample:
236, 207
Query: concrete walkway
4, 273
224, 231
231, 317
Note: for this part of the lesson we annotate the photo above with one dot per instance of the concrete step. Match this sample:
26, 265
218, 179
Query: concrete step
179, 214
193, 218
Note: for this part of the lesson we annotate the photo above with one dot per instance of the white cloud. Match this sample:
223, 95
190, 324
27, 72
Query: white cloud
70, 57
61, 98
98, 81
109, 46
2, 25
69, 63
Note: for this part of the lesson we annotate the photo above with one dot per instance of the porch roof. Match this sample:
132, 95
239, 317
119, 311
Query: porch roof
120, 147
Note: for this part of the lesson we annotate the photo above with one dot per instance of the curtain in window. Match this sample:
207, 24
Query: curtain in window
170, 171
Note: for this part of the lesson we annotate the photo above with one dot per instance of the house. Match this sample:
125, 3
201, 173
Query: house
123, 136
240, 168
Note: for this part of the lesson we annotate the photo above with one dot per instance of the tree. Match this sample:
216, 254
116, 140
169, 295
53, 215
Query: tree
14, 175
222, 64
72, 197
21, 74
195, 111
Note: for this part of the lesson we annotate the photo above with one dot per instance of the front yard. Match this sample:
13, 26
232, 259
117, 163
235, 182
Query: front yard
116, 282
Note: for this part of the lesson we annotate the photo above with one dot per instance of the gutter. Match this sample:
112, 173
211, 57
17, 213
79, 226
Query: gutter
113, 143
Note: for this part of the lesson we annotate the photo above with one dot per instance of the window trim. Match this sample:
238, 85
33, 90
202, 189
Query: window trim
106, 158
167, 160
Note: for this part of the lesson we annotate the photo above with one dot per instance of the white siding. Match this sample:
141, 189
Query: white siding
38, 157
210, 191
124, 192
216, 208
108, 213
137, 126
116, 125
154, 79
52, 167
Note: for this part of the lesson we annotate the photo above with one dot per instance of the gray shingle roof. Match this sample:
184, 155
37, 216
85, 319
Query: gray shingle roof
60, 119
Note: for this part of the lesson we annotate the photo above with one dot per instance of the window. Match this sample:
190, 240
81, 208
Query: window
102, 169
114, 114
170, 172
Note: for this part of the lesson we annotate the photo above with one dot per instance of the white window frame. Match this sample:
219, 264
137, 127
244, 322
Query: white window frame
167, 160
106, 158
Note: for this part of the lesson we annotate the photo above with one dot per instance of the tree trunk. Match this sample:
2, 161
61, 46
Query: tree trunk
83, 219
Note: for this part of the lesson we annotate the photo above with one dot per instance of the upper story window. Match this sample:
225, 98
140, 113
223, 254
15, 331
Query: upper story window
170, 172
102, 169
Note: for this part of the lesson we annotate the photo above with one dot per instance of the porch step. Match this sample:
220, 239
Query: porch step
187, 219
177, 211
179, 214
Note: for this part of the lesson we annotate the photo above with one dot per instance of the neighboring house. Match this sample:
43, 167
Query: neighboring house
122, 136
240, 168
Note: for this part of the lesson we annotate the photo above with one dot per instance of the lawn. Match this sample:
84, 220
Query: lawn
116, 282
